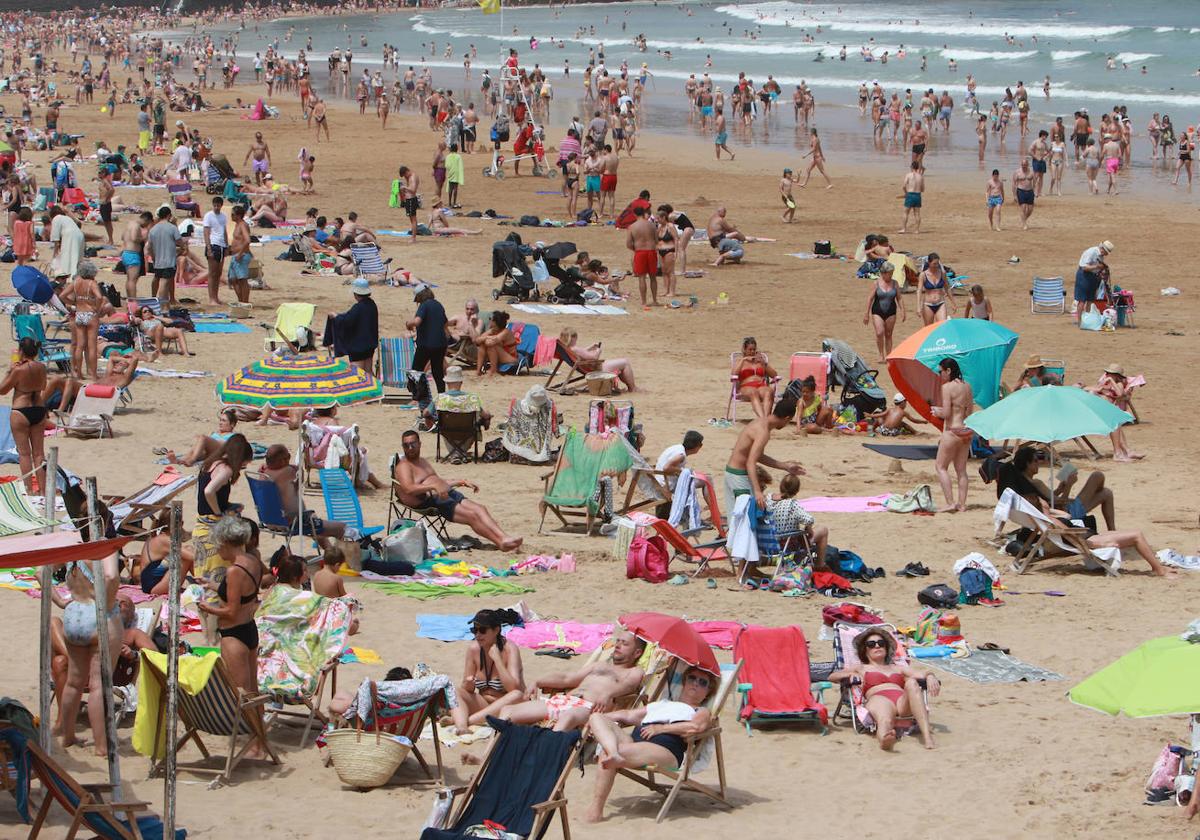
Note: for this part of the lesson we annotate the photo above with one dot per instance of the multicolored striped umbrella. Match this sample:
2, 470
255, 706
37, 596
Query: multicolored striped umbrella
299, 382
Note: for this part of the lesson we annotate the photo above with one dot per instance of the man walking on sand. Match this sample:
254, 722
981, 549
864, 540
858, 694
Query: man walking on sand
642, 239
239, 255
722, 136
914, 185
215, 244
995, 199
1022, 184
1039, 150
260, 153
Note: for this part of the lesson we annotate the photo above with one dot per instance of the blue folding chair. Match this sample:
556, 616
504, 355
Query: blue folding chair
341, 501
54, 351
526, 347
272, 518
1047, 295
368, 260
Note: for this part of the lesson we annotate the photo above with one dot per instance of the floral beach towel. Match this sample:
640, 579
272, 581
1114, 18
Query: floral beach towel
299, 633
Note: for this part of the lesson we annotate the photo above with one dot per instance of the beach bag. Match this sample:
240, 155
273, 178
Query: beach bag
1166, 768
529, 220
111, 294
919, 498
973, 584
1091, 320
847, 564
540, 273
647, 559
585, 215
789, 575
405, 544
939, 596
823, 248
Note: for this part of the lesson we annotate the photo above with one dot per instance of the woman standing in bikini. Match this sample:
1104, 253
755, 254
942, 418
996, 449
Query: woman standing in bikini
933, 295
753, 376
668, 247
890, 689
818, 160
492, 674
954, 447
882, 303
1186, 147
26, 379
86, 305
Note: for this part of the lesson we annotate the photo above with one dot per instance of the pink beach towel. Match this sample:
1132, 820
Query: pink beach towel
844, 504
543, 354
581, 638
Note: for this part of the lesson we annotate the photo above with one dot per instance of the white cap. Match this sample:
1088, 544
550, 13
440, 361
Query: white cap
417, 289
361, 286
898, 398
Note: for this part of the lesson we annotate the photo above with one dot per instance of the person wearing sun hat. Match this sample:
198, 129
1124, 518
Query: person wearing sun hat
355, 333
1116, 388
1088, 276
1034, 374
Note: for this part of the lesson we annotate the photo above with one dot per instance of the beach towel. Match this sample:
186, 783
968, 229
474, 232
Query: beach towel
718, 634
444, 628
543, 354
194, 672
684, 502
581, 638
299, 632
844, 504
400, 693
430, 591
584, 460
992, 667
221, 327
915, 452
363, 656
168, 373
569, 309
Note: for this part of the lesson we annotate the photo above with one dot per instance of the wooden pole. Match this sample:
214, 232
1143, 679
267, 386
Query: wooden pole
174, 571
100, 584
46, 578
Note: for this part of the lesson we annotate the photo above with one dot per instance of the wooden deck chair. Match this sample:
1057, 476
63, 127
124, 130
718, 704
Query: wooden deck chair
850, 707
519, 785
392, 364
703, 749
126, 820
735, 384
407, 720
570, 490
342, 503
775, 659
687, 549
1047, 296
220, 709
460, 431
17, 515
398, 510
131, 512
576, 372
290, 318
301, 637
92, 414
1048, 534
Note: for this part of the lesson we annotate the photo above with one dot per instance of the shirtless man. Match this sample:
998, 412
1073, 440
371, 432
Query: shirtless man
1022, 184
320, 117
954, 446
106, 191
919, 137
132, 240
239, 255
355, 231
1039, 151
278, 467
592, 688
741, 473
608, 179
721, 228
914, 185
994, 192
721, 136
419, 486
642, 240
260, 153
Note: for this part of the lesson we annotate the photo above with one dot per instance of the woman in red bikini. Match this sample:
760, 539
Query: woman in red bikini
890, 688
754, 377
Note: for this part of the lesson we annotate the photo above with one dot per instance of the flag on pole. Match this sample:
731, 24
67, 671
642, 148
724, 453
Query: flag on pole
490, 7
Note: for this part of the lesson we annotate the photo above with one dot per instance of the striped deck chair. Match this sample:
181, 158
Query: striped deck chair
1047, 296
85, 803
220, 709
17, 515
851, 705
301, 637
368, 260
130, 512
392, 364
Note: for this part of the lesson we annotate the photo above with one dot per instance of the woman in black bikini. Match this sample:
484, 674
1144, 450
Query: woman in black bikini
26, 379
492, 674
571, 182
933, 295
881, 309
237, 601
686, 229
668, 247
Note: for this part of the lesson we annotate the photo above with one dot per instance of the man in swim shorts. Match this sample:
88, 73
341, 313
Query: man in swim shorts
259, 157
277, 466
914, 185
994, 190
593, 688
642, 240
1039, 150
741, 473
608, 179
132, 241
418, 486
1022, 184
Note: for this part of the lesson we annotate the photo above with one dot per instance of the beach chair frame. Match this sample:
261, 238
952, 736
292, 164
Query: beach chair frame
103, 408
368, 260
798, 716
341, 501
1048, 538
141, 511
409, 721
734, 389
311, 702
231, 714
391, 371
460, 431
681, 777
398, 510
1048, 296
577, 369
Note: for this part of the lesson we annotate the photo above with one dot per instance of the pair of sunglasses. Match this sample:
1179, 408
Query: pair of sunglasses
699, 680
875, 643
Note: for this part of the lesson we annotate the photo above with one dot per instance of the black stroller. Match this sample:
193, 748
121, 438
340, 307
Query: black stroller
857, 381
570, 282
508, 261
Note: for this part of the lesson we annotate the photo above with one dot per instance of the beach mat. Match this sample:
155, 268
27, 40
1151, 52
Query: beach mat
569, 309
444, 628
914, 452
992, 667
219, 327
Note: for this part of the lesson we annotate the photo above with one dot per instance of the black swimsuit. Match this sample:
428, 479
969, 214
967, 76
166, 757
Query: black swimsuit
247, 632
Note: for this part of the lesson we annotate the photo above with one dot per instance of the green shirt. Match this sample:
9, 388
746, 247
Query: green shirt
455, 169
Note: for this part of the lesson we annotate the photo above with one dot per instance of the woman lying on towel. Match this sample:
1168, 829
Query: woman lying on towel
754, 377
657, 737
890, 689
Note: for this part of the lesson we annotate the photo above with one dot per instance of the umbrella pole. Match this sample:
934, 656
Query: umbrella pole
1051, 475
299, 490
100, 584
45, 578
172, 700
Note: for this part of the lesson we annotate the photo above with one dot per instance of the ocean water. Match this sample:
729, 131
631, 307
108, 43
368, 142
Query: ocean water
998, 42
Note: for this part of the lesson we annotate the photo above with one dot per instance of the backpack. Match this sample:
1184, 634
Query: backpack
973, 584
647, 559
110, 292
529, 220
939, 596
585, 215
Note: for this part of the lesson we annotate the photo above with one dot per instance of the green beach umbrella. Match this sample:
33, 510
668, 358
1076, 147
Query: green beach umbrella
1161, 677
1048, 413
299, 382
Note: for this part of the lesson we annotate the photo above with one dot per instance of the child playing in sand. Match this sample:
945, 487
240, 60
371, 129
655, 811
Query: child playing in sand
979, 306
307, 165
893, 421
785, 192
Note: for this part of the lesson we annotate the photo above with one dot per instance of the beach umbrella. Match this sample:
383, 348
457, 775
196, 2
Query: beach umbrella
31, 284
299, 382
673, 635
981, 349
1160, 677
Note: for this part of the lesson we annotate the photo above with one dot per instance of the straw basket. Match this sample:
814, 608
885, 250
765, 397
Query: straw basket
600, 384
240, 310
366, 760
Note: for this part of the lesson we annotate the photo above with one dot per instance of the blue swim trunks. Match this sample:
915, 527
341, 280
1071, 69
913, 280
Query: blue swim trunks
131, 259
995, 201
706, 110
239, 267
720, 139
592, 184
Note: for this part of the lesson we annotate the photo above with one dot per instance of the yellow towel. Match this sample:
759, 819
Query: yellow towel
194, 672
367, 656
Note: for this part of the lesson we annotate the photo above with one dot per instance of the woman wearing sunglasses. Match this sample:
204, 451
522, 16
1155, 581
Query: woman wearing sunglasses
890, 688
657, 737
492, 675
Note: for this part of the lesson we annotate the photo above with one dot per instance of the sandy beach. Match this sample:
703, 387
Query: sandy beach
1013, 761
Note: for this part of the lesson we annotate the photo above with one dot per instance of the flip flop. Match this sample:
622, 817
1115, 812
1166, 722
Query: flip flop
557, 653
993, 646
678, 580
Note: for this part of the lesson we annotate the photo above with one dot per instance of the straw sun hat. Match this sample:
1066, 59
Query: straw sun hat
1034, 361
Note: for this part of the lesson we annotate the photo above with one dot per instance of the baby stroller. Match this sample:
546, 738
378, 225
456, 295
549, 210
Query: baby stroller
508, 261
859, 388
570, 286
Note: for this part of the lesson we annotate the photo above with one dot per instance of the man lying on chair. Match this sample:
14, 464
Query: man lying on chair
279, 468
419, 486
592, 688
